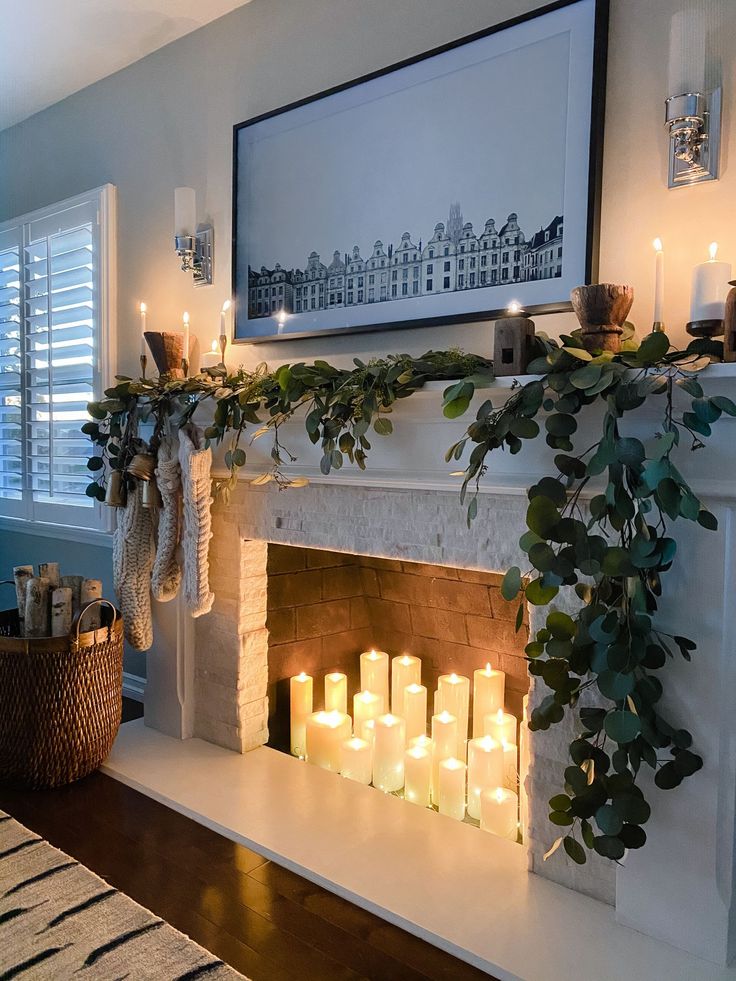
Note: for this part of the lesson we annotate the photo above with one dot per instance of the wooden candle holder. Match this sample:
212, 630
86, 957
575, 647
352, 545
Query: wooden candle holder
602, 311
513, 338
167, 349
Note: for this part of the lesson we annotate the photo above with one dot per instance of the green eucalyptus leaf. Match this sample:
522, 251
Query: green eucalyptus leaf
511, 583
622, 726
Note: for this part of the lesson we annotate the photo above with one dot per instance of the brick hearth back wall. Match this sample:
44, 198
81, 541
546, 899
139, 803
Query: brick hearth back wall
324, 608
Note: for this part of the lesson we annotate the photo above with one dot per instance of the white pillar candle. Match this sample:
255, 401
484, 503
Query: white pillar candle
510, 766
366, 705
710, 288
444, 743
501, 726
185, 211
336, 692
368, 731
489, 691
143, 309
405, 670
326, 732
388, 753
415, 711
455, 699
417, 775
300, 698
499, 812
437, 702
485, 769
374, 674
452, 788
356, 760
185, 322
658, 282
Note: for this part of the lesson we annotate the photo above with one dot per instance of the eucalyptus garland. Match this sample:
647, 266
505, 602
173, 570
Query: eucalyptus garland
598, 526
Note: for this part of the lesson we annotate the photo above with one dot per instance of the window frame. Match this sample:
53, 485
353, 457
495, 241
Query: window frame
69, 521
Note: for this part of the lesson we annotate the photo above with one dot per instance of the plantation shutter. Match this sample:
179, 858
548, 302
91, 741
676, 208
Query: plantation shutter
52, 355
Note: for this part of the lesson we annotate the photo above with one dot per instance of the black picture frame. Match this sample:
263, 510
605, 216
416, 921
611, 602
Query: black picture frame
600, 14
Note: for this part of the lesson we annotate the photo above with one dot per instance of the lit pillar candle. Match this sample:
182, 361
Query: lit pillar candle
326, 732
388, 753
415, 711
212, 357
485, 770
444, 743
300, 697
366, 705
489, 689
455, 698
417, 775
336, 692
368, 731
405, 670
143, 309
356, 760
498, 812
501, 726
658, 281
510, 766
374, 673
710, 288
185, 322
452, 788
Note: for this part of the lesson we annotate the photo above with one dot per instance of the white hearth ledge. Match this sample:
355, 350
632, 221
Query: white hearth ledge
448, 883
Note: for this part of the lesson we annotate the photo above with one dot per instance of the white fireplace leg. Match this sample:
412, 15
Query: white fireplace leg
169, 698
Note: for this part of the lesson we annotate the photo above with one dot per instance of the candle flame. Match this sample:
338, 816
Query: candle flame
488, 668
445, 716
713, 249
514, 307
214, 347
499, 716
302, 676
499, 795
657, 243
226, 305
143, 307
185, 317
453, 678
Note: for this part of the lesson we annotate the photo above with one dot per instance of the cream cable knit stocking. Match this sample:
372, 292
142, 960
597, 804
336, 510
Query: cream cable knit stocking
132, 560
166, 572
195, 478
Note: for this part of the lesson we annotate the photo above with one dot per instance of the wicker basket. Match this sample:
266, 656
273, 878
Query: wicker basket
60, 700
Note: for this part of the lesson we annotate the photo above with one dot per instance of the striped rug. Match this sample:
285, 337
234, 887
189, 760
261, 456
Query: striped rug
59, 921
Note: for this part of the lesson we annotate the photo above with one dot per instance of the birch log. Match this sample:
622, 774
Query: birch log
75, 584
61, 612
21, 574
91, 590
37, 607
50, 571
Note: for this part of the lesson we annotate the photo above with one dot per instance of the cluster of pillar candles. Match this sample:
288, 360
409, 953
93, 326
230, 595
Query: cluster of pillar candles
477, 776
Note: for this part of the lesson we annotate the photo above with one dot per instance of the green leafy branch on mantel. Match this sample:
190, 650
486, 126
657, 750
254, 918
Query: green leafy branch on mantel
610, 547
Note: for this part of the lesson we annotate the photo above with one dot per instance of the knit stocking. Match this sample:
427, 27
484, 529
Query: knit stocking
132, 559
195, 478
166, 572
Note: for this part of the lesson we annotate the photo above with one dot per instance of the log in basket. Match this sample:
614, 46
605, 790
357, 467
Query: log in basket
60, 699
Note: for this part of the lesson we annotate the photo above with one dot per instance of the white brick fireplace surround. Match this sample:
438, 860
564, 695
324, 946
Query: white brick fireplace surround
208, 680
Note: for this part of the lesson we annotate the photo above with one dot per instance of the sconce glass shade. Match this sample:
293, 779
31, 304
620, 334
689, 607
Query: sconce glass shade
185, 211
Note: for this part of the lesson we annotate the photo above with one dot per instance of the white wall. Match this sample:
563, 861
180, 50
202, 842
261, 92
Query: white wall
168, 120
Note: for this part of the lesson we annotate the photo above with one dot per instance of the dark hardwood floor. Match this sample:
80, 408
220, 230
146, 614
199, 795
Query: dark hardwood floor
267, 922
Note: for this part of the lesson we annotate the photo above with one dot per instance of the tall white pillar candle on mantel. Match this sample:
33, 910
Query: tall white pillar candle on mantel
326, 732
485, 770
374, 674
185, 211
356, 760
300, 698
710, 288
452, 788
501, 726
405, 670
143, 309
499, 812
658, 281
185, 324
511, 766
366, 705
389, 742
336, 692
417, 775
444, 744
415, 711
454, 692
489, 692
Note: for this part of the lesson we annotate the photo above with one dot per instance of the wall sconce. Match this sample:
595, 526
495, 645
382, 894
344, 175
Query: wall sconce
195, 244
692, 113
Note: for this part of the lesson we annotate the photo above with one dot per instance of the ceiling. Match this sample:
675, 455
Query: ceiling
56, 47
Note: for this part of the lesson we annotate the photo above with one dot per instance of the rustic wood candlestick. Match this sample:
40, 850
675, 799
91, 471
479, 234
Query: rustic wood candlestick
512, 345
167, 349
602, 311
729, 325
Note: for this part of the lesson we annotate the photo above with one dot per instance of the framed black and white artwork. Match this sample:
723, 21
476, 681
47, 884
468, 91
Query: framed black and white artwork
436, 191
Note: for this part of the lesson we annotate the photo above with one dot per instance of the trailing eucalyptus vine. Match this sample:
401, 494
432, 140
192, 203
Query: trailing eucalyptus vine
597, 526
